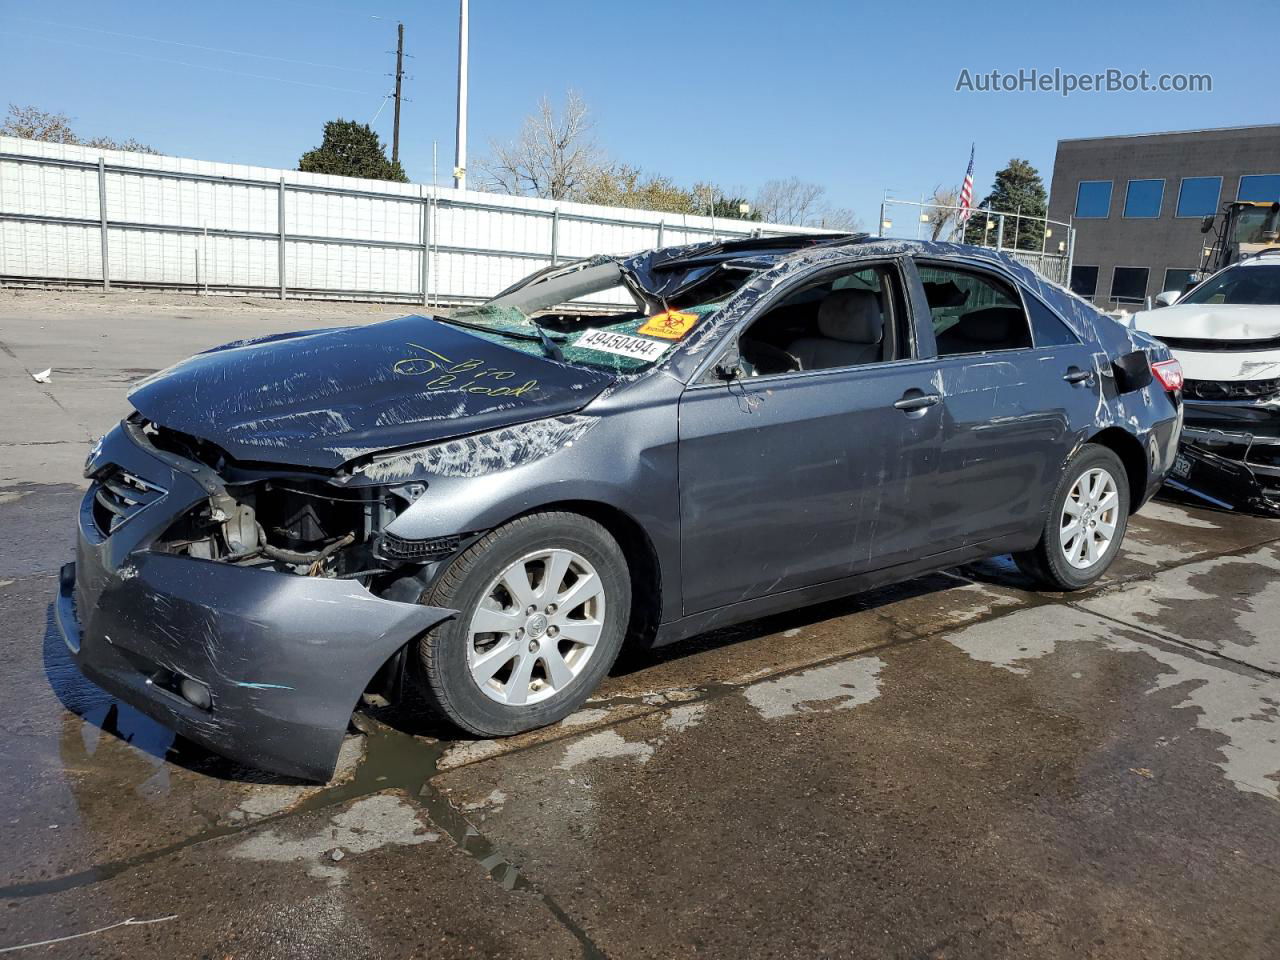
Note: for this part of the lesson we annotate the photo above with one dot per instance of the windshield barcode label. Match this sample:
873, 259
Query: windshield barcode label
622, 344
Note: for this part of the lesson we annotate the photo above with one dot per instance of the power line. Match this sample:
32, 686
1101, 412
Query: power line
197, 46
196, 66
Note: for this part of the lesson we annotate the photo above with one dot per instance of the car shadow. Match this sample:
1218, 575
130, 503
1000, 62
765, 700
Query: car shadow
636, 660
999, 571
412, 715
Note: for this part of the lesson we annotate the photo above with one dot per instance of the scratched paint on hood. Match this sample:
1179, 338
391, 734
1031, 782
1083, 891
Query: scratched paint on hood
321, 398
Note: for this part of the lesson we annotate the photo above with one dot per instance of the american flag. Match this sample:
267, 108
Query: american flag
966, 191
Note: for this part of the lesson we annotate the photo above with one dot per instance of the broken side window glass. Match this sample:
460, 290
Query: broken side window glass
573, 305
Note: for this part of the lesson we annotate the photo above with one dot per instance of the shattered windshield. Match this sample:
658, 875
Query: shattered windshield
1254, 284
595, 314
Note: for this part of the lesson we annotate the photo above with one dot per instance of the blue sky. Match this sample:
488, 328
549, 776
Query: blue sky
857, 96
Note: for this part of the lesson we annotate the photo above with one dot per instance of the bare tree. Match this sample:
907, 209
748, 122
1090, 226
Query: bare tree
791, 201
32, 123
942, 215
623, 185
129, 146
554, 156
840, 218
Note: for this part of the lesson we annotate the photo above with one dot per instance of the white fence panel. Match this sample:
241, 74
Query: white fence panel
172, 222
50, 250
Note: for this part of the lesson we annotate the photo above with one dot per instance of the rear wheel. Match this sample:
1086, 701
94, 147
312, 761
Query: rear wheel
543, 605
1085, 525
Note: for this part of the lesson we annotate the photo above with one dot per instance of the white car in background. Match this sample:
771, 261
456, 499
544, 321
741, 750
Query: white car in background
1226, 333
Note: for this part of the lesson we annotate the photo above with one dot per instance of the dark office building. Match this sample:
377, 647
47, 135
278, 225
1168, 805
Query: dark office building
1137, 201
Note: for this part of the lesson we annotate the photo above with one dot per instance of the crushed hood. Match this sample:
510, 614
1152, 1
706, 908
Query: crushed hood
1211, 321
320, 398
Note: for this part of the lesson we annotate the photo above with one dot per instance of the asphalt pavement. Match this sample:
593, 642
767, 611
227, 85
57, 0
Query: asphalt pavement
958, 766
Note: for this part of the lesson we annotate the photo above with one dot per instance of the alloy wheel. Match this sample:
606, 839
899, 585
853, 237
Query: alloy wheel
1089, 517
537, 625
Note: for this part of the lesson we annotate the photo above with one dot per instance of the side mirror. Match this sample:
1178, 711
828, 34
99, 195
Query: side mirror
1206, 224
729, 370
1168, 298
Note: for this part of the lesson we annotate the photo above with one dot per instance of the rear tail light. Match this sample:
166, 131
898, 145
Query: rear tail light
1169, 373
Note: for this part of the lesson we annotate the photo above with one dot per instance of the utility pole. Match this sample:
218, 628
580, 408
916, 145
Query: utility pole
460, 133
395, 135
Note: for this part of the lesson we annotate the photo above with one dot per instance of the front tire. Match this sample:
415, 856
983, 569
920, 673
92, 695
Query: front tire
1086, 523
543, 606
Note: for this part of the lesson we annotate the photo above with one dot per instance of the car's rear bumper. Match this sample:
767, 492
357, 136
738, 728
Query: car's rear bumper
284, 657
1161, 442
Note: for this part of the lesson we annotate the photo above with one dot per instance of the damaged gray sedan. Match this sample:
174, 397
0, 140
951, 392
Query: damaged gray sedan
624, 450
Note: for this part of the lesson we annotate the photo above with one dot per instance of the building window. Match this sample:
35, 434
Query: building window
1143, 198
1264, 188
1198, 196
1093, 200
1129, 284
1177, 278
1084, 280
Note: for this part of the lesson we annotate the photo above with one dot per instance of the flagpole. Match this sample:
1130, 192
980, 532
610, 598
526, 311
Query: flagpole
966, 195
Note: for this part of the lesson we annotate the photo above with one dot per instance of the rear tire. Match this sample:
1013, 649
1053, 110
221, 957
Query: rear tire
525, 651
1085, 525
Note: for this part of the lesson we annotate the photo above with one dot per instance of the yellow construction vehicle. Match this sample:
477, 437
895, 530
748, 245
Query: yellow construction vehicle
1242, 229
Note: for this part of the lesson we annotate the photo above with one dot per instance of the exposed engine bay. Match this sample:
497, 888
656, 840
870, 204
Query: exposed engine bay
302, 522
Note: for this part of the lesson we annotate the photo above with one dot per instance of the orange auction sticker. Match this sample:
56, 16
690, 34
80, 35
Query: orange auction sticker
671, 325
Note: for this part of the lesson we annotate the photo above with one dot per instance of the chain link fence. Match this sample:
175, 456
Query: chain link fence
997, 229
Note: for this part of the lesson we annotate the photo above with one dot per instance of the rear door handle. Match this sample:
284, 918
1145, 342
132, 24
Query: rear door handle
1076, 375
915, 400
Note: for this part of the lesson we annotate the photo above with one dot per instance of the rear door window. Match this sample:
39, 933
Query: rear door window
973, 312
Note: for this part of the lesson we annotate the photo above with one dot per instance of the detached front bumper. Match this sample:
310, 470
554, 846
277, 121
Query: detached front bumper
1230, 455
1246, 432
283, 658
1236, 418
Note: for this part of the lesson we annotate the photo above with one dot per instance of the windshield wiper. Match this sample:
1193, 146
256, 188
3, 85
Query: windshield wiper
550, 347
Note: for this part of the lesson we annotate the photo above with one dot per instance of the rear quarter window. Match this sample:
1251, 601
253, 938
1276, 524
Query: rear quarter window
1047, 329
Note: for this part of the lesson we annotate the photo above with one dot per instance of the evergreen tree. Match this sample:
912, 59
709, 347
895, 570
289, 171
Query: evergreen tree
1018, 189
351, 149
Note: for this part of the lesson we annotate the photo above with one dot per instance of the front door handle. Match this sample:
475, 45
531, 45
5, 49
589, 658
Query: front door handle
915, 400
1076, 375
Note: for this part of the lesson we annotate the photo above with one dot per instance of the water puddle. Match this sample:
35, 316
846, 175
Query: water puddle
368, 824
1168, 513
1242, 706
838, 686
604, 745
